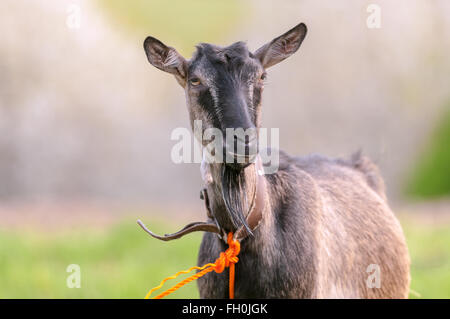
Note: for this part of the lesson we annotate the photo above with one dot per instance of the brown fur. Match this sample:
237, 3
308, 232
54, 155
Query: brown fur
323, 226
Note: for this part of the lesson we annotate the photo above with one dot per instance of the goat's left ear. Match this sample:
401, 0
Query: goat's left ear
166, 59
282, 47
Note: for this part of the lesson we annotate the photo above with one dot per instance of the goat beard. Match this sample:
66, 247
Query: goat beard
234, 193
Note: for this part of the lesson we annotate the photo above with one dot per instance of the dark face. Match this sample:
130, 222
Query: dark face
223, 90
223, 86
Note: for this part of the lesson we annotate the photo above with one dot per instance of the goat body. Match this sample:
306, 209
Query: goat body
326, 229
325, 222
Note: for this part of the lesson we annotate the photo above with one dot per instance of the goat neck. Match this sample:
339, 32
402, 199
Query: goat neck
252, 197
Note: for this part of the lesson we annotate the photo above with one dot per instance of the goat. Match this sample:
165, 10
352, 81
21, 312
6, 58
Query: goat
314, 228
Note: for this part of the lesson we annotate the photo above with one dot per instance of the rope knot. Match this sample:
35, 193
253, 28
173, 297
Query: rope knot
226, 259
229, 257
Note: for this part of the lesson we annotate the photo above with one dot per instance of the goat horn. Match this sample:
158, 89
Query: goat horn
189, 228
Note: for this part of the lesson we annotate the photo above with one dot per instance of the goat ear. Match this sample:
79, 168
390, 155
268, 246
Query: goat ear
281, 47
166, 59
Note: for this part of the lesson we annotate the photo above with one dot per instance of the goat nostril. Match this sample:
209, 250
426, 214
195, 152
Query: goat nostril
242, 150
245, 137
241, 146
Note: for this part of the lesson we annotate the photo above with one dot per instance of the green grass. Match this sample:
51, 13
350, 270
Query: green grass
431, 175
429, 247
178, 23
122, 261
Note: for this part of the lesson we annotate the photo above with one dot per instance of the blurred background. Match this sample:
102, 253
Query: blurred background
85, 126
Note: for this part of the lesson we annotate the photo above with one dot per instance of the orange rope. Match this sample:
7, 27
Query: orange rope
226, 259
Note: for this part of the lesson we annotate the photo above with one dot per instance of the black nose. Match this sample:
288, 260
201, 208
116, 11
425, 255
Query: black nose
241, 150
244, 146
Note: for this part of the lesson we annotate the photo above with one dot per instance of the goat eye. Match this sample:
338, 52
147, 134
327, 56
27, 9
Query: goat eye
194, 81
